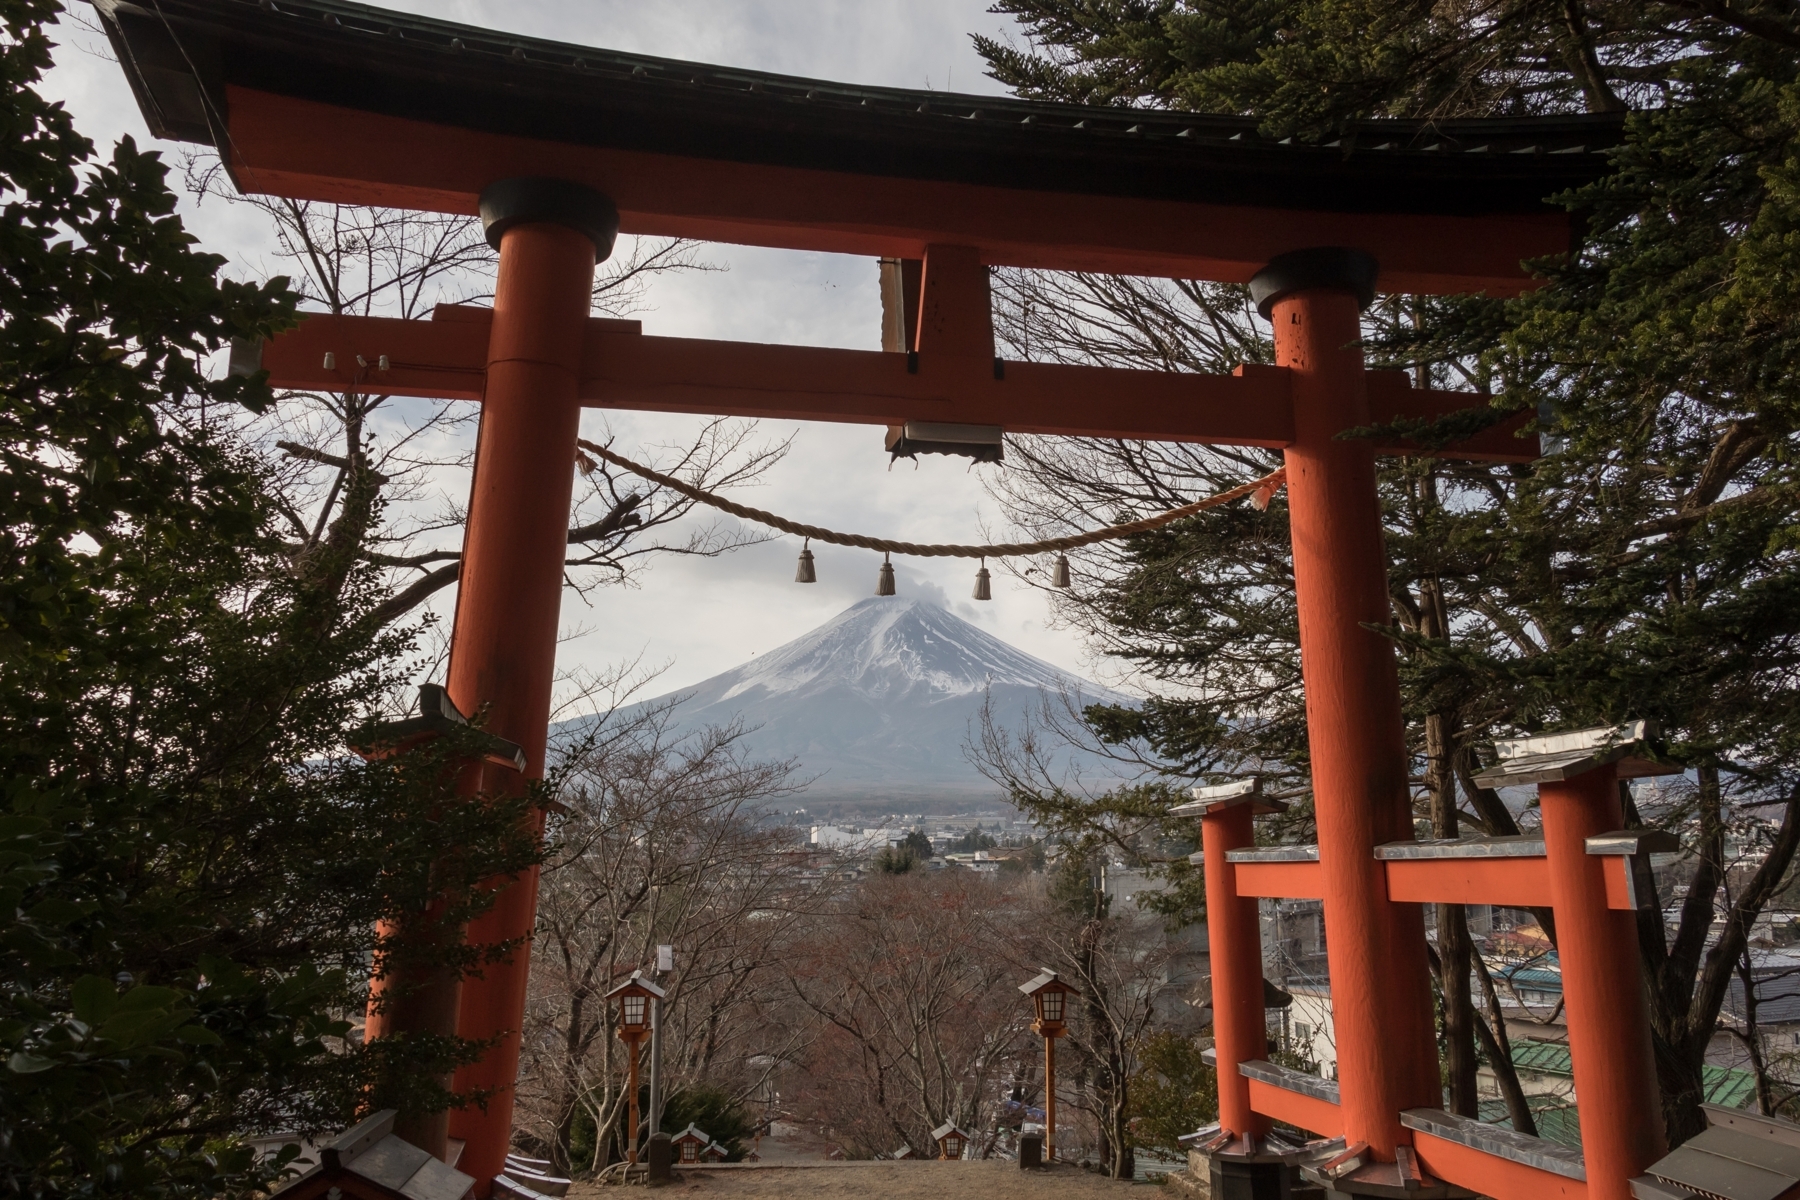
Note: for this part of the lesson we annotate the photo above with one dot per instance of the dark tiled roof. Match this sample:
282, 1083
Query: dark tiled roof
181, 54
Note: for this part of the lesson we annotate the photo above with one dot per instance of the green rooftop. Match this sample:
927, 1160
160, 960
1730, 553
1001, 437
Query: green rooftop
1558, 1120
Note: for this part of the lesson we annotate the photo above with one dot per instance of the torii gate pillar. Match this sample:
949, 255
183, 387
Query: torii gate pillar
549, 234
1381, 989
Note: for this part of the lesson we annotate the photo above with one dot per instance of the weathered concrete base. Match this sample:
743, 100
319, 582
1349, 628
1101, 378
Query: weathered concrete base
1248, 1169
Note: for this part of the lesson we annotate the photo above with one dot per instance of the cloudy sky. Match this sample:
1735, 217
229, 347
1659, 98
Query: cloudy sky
699, 617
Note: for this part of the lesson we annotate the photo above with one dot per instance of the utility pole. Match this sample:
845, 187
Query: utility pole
665, 964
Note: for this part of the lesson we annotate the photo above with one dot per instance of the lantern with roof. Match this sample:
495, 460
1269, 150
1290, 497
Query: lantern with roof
951, 1140
1050, 997
635, 996
690, 1144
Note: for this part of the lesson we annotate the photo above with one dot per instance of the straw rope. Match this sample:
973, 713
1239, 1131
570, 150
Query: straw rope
1266, 486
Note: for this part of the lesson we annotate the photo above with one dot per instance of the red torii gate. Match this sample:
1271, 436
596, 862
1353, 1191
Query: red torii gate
559, 147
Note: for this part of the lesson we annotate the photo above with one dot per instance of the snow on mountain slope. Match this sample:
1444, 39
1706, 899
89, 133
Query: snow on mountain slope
880, 700
890, 647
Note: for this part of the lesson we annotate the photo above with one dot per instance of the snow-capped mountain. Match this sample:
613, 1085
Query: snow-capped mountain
879, 701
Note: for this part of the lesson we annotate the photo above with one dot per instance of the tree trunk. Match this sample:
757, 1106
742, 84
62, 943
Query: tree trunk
1455, 948
1498, 1046
1765, 1097
567, 1108
1683, 1088
569, 1104
1680, 1042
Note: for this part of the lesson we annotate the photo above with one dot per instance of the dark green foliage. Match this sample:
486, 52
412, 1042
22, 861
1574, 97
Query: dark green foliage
1074, 886
972, 841
1304, 65
1173, 1093
896, 860
191, 864
713, 1110
911, 851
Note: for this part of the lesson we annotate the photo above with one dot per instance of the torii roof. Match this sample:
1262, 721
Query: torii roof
328, 100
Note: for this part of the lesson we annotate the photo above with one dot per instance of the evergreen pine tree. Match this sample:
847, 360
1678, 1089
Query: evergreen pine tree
192, 863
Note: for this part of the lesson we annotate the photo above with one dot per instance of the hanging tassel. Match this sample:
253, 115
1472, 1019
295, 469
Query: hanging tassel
806, 574
982, 590
1261, 496
1059, 577
885, 585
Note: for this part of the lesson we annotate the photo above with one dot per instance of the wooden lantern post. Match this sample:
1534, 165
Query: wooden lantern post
1050, 996
635, 996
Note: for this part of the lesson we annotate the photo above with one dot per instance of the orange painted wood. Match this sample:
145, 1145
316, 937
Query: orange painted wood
1308, 1112
1514, 882
1610, 1048
1380, 978
956, 311
1392, 397
1234, 935
308, 150
426, 358
622, 368
806, 383
508, 605
1279, 880
1491, 1175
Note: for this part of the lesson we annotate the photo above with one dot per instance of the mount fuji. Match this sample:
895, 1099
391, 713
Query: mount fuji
879, 701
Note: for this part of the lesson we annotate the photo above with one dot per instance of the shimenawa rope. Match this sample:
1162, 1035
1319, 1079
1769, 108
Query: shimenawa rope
1263, 488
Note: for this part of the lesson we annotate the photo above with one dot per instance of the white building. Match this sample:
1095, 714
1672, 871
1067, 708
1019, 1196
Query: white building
1305, 1026
835, 837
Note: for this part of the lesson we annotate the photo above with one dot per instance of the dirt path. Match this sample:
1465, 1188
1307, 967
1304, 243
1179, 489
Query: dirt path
898, 1181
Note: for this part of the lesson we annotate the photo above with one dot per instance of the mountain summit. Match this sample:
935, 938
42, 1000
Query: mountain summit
880, 700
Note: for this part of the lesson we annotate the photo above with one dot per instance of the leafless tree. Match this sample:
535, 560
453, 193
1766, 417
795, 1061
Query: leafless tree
910, 982
379, 473
662, 842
